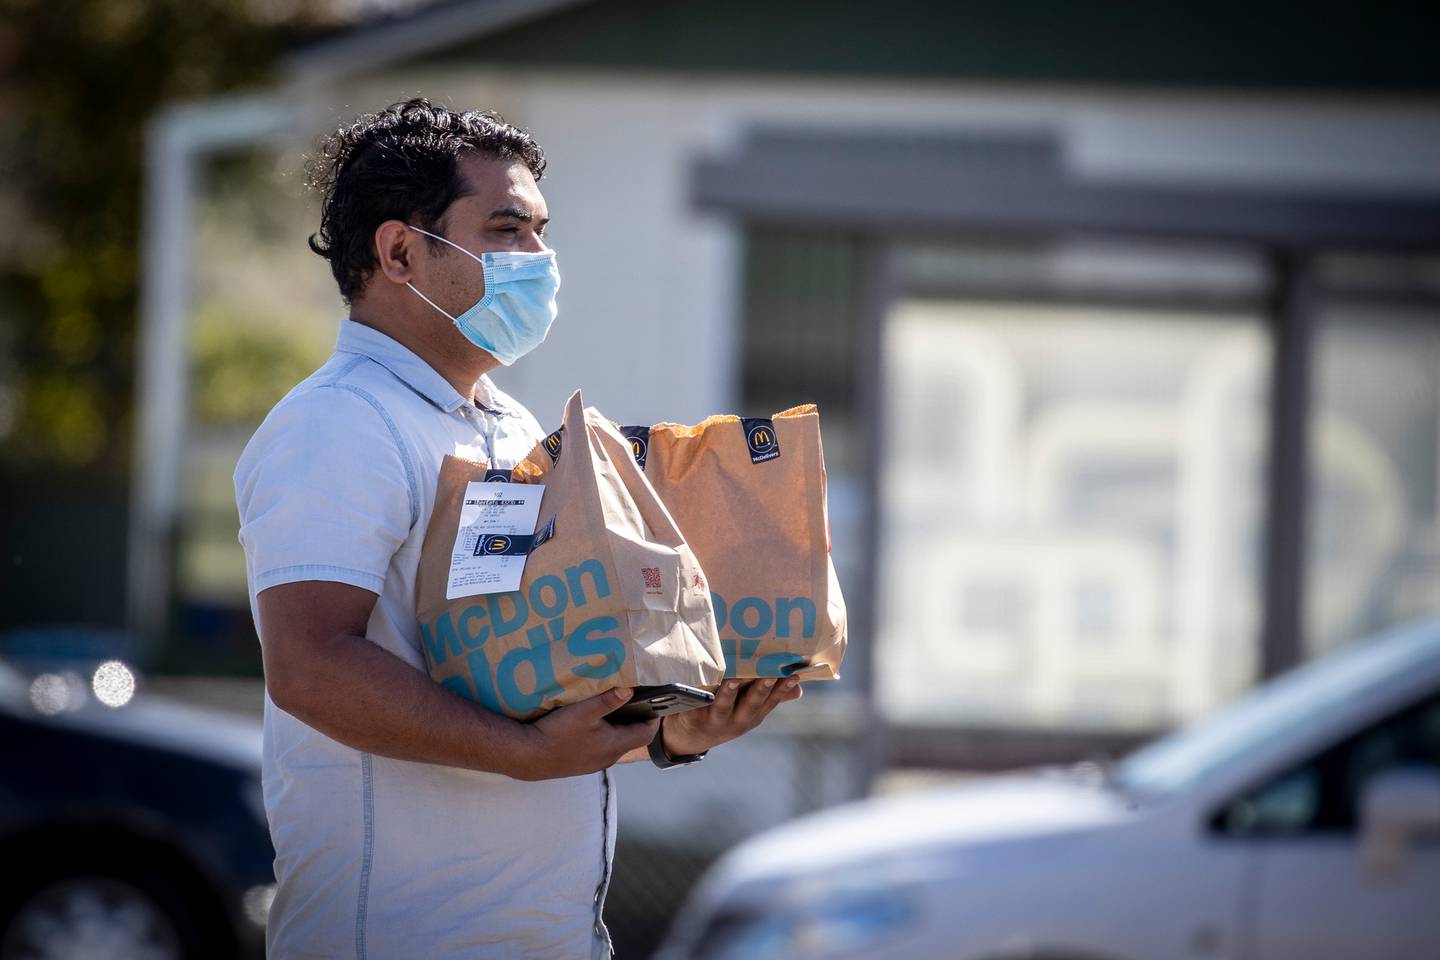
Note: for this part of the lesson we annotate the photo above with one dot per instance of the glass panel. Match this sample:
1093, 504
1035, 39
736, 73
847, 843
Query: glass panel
1071, 512
1373, 548
1325, 794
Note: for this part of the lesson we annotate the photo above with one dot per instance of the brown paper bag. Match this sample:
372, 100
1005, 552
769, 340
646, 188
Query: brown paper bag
749, 495
611, 596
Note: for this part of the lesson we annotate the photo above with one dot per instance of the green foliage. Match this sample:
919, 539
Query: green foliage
79, 81
242, 366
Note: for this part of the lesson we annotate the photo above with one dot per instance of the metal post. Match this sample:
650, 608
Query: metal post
875, 293
1292, 320
161, 382
179, 139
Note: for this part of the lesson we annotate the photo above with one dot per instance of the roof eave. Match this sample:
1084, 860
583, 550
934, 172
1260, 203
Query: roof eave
396, 41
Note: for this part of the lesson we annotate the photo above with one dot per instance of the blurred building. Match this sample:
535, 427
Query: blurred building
1124, 321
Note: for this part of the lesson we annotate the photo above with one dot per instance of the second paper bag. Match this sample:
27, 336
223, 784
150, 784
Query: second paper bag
749, 495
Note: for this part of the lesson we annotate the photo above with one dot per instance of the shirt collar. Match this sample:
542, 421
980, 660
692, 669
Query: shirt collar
410, 369
490, 397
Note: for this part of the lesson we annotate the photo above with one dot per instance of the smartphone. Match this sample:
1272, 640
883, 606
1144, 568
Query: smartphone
649, 703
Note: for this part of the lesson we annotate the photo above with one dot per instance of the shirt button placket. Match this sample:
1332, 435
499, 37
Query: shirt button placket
481, 423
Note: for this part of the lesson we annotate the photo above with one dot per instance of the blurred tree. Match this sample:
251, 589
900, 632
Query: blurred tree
78, 82
242, 369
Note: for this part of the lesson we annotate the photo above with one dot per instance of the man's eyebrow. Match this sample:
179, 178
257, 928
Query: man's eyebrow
514, 213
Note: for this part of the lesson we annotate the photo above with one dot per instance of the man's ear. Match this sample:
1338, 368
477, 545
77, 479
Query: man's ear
396, 246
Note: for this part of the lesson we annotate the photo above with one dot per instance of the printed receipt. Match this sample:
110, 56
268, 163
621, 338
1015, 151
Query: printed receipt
496, 524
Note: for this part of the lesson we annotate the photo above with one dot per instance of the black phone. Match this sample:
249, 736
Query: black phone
649, 703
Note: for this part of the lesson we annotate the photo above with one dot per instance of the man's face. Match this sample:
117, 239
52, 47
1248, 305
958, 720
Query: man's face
500, 210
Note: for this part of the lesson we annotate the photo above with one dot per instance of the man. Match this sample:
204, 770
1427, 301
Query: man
407, 821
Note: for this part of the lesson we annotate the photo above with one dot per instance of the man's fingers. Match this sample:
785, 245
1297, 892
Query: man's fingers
747, 711
783, 690
615, 699
763, 696
632, 735
598, 706
724, 700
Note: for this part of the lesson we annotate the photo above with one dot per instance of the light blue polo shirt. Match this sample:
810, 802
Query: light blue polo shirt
379, 858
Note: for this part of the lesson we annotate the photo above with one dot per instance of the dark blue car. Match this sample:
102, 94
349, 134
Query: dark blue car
133, 831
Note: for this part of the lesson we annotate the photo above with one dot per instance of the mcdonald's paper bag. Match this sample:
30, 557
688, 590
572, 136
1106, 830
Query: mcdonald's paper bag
749, 495
610, 594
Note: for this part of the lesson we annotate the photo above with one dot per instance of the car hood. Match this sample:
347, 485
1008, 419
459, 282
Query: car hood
161, 724
995, 811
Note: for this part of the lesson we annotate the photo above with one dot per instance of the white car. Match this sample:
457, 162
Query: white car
1300, 823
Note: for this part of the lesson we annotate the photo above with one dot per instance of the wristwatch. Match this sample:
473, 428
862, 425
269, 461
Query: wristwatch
663, 758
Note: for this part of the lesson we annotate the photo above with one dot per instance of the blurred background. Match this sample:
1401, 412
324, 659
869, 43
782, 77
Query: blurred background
1123, 320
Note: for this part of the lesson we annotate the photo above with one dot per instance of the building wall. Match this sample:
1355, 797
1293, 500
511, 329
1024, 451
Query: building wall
649, 306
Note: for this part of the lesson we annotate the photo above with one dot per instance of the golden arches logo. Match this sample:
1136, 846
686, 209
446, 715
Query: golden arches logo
497, 544
552, 442
637, 447
761, 437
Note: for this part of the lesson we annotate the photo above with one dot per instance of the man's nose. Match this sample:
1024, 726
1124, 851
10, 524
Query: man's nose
534, 243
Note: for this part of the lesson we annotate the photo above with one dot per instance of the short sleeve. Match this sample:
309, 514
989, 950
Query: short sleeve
324, 492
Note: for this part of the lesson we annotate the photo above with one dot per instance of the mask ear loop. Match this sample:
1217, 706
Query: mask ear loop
431, 302
488, 273
451, 242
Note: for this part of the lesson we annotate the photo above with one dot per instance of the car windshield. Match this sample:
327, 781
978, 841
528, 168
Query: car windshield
1189, 755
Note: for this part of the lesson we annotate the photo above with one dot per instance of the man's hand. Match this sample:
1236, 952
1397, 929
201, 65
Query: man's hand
577, 739
733, 713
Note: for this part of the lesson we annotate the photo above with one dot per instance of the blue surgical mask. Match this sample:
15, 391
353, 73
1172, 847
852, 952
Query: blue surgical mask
519, 303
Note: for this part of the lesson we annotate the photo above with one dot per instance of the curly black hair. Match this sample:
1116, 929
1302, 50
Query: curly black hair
399, 164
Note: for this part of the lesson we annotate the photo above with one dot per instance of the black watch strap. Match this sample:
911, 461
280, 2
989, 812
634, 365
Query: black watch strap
662, 758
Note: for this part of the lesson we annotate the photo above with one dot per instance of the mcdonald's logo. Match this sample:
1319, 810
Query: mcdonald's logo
495, 545
639, 438
552, 446
760, 438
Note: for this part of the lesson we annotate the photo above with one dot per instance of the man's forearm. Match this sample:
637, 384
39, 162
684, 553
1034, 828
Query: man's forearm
367, 698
